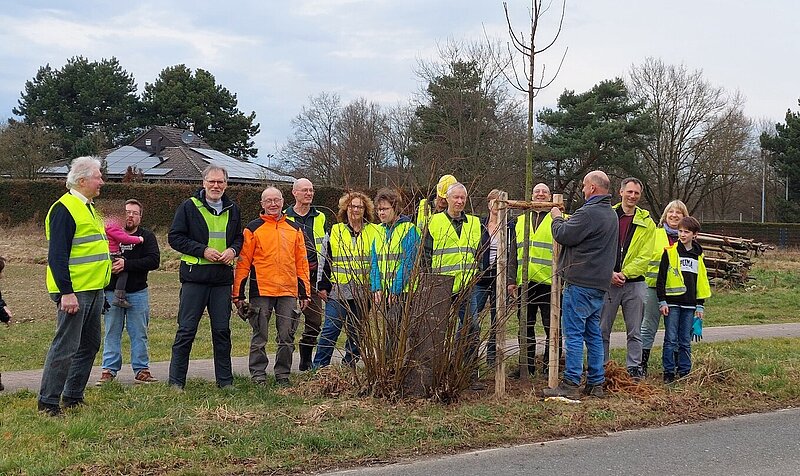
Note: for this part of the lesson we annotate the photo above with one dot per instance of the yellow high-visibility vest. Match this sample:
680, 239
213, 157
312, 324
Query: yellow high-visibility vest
217, 232
350, 256
454, 255
89, 258
675, 286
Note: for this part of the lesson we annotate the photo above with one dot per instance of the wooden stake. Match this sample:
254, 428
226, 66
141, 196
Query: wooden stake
555, 310
500, 295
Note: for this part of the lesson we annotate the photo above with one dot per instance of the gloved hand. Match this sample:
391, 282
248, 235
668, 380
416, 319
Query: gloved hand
697, 329
242, 307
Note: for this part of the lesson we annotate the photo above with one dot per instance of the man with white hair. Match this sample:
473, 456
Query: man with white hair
451, 246
78, 269
312, 222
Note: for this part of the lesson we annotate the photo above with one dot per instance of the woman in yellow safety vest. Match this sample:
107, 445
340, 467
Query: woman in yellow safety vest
666, 235
345, 277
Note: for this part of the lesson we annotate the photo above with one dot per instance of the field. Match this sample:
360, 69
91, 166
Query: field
322, 422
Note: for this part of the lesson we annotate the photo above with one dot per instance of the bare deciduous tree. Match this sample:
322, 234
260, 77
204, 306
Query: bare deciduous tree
700, 131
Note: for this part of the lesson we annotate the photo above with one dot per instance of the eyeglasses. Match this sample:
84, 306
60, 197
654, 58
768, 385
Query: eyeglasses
271, 200
355, 207
384, 209
216, 182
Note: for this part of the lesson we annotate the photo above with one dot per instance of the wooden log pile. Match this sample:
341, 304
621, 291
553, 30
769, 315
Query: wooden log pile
729, 259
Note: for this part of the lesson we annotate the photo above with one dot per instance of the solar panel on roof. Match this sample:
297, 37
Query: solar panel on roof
236, 168
118, 161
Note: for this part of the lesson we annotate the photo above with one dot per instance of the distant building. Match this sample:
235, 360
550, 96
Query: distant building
165, 153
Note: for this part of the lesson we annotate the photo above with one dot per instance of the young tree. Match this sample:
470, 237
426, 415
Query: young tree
784, 149
26, 148
81, 99
359, 143
186, 100
598, 129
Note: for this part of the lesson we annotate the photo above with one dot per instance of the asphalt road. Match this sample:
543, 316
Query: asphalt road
752, 445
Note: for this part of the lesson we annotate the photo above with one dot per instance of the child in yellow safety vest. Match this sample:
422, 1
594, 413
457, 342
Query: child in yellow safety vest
682, 287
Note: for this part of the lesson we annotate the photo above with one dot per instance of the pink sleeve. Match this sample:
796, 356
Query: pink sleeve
121, 236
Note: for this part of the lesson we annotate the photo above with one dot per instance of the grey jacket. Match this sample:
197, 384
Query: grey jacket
589, 244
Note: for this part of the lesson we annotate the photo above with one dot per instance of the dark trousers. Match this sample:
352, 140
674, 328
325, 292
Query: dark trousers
538, 301
71, 355
312, 317
194, 299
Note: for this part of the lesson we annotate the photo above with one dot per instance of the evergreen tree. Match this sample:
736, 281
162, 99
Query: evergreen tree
784, 147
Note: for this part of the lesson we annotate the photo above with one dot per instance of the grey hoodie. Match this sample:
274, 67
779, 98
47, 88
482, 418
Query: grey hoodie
589, 244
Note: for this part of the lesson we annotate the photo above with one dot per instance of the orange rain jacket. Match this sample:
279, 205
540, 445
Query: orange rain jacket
273, 256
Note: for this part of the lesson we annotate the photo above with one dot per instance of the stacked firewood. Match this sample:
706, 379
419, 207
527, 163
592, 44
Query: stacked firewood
729, 259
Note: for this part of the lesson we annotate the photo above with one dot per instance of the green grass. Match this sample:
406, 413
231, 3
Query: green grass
204, 430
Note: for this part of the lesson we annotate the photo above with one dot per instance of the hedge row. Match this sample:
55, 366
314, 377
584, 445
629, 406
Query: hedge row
23, 201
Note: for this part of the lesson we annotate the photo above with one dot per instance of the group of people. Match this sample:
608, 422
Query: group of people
289, 262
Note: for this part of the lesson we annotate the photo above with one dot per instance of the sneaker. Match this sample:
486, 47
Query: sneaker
593, 391
105, 378
144, 376
565, 388
283, 382
49, 410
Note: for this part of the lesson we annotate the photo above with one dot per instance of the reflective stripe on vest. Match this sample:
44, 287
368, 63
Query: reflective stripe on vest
390, 252
661, 243
454, 255
350, 260
89, 260
540, 254
217, 232
319, 230
674, 285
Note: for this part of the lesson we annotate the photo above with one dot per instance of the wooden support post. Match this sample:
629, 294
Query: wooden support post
555, 310
501, 296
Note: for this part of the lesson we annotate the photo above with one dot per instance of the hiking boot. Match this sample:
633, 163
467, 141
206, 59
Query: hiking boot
645, 361
283, 382
593, 391
68, 403
565, 388
49, 410
105, 378
635, 373
669, 378
144, 376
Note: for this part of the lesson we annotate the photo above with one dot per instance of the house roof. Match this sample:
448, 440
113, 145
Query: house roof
174, 161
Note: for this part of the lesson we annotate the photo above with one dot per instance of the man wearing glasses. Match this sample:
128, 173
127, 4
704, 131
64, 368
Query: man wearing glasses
137, 261
274, 259
207, 230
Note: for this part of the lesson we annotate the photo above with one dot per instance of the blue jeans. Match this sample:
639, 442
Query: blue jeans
194, 299
338, 314
678, 337
71, 355
580, 319
135, 319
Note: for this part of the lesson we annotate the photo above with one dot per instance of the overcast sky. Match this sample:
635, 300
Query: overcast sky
275, 54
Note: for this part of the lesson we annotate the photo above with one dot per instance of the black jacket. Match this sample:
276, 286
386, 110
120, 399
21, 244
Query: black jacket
189, 235
139, 260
